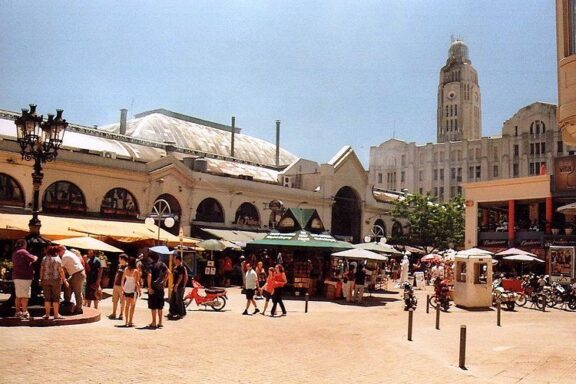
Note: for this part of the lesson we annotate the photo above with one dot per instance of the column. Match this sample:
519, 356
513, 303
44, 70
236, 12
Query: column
548, 215
511, 221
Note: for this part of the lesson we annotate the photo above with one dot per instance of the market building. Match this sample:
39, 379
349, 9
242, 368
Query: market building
211, 175
530, 138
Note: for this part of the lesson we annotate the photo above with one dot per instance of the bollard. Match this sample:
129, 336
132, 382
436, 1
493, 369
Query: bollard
544, 304
306, 296
438, 316
427, 303
498, 309
462, 363
410, 323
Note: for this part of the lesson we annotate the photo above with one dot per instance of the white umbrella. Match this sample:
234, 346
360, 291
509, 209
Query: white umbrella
86, 242
569, 209
523, 258
474, 252
514, 252
431, 257
355, 253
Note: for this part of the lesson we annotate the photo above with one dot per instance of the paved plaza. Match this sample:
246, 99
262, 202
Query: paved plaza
333, 343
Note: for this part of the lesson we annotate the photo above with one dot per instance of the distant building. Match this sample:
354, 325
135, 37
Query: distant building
529, 140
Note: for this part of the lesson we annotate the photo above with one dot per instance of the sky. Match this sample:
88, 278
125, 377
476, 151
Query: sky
334, 72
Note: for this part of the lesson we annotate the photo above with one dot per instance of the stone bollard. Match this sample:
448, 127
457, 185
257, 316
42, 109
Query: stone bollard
306, 297
462, 360
410, 323
498, 313
427, 303
438, 316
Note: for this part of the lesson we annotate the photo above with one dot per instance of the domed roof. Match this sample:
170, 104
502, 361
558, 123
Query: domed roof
458, 50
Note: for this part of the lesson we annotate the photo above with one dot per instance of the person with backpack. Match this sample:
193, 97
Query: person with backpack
156, 282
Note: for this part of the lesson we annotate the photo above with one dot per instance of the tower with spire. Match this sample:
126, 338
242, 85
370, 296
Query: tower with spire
459, 115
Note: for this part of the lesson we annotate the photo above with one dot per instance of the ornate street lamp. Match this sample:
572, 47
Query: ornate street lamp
39, 141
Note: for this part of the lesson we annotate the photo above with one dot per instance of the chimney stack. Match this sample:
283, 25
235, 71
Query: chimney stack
233, 133
277, 143
123, 117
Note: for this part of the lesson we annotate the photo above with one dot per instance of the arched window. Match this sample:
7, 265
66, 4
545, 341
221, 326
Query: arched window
119, 202
63, 196
397, 230
247, 214
210, 210
11, 194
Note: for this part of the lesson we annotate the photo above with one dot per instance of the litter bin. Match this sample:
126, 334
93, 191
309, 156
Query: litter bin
473, 281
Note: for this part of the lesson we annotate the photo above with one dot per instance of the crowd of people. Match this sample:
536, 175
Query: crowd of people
260, 283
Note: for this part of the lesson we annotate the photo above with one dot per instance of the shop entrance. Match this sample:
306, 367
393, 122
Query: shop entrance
346, 215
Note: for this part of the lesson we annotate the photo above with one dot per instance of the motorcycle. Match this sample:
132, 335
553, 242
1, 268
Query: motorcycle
502, 296
212, 297
410, 300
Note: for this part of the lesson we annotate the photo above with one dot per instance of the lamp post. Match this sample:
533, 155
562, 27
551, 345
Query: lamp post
161, 213
39, 141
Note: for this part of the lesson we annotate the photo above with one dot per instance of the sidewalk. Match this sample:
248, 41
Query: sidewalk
332, 343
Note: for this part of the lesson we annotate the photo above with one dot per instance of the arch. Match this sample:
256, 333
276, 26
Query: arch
247, 214
397, 230
63, 196
119, 202
378, 230
175, 209
346, 214
11, 193
210, 210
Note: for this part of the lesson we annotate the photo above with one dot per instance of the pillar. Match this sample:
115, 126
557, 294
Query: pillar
548, 215
511, 221
485, 217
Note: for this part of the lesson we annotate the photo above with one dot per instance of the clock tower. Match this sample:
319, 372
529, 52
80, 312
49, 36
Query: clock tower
459, 113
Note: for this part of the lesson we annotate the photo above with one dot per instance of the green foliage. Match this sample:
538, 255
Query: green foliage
431, 224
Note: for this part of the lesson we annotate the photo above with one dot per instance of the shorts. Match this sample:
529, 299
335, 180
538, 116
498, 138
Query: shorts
156, 300
249, 294
129, 294
91, 293
22, 288
52, 289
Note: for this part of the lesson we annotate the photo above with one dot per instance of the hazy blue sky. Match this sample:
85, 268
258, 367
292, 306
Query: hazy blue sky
335, 72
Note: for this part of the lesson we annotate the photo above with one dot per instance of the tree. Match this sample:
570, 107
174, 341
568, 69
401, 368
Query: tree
431, 224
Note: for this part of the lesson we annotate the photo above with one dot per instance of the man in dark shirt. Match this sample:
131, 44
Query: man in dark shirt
156, 282
94, 267
360, 280
22, 274
180, 278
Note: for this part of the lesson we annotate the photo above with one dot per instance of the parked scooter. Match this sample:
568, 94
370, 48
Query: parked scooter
502, 296
212, 297
410, 300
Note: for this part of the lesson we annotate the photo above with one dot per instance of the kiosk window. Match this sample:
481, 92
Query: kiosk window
480, 273
461, 271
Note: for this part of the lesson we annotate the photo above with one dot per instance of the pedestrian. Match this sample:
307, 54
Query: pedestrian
51, 279
251, 284
75, 270
261, 273
243, 270
279, 283
93, 290
351, 276
117, 292
156, 282
268, 288
359, 283
180, 278
130, 289
22, 274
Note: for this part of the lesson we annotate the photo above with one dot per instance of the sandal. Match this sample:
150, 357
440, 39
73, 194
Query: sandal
46, 317
58, 318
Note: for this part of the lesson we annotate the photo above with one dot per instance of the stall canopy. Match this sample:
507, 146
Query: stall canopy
13, 226
362, 254
237, 237
299, 239
86, 242
378, 247
474, 252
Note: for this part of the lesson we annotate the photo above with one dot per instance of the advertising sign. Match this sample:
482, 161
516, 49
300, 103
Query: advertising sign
561, 262
565, 174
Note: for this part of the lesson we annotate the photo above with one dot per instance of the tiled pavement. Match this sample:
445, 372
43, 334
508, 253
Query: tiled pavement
333, 343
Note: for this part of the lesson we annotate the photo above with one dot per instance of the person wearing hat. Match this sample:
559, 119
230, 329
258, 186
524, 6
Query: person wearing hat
22, 274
